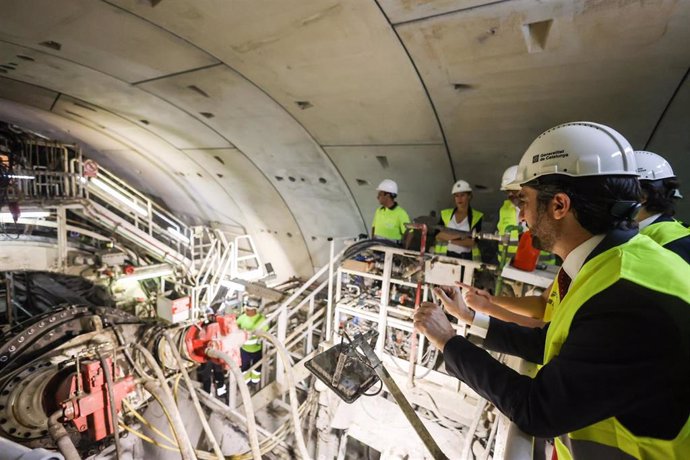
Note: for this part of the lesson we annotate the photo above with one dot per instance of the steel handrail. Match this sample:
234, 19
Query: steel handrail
308, 284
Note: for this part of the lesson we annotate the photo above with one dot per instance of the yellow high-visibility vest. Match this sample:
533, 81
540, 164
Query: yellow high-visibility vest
668, 274
474, 218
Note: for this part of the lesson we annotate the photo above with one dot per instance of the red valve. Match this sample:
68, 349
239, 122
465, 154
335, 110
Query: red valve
89, 409
223, 334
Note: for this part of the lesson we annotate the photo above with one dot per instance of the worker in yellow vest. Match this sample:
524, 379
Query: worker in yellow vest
508, 220
252, 349
461, 217
390, 218
659, 194
615, 380
508, 217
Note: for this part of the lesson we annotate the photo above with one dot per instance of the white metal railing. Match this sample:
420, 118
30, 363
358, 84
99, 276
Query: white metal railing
294, 304
207, 256
140, 211
246, 263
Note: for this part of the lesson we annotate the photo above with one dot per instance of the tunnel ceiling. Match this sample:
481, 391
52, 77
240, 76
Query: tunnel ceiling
279, 118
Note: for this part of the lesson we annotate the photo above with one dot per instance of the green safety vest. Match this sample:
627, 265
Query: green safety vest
630, 261
441, 247
508, 218
666, 232
390, 223
251, 324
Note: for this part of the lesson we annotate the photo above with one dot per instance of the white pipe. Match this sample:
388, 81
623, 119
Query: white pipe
291, 388
246, 399
329, 305
192, 393
59, 434
478, 411
178, 428
492, 436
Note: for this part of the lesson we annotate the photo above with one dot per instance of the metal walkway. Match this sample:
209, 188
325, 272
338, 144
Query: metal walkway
55, 184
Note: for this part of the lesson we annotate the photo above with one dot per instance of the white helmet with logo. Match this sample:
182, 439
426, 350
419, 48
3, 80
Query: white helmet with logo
577, 149
461, 186
651, 166
508, 179
388, 186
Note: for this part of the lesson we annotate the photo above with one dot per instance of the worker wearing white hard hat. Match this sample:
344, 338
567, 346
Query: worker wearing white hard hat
390, 218
252, 320
615, 380
509, 221
659, 194
508, 214
527, 310
461, 217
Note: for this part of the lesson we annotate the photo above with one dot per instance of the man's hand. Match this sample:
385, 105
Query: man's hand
452, 301
430, 320
477, 299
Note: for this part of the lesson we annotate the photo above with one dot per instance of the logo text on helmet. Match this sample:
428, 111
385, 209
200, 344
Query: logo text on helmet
549, 156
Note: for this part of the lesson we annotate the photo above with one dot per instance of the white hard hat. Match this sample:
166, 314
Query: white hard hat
253, 302
651, 166
577, 149
461, 186
389, 186
508, 179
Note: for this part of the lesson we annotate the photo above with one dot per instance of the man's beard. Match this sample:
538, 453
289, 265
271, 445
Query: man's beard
543, 232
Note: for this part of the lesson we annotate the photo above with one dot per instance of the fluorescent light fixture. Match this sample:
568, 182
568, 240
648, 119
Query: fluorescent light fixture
19, 176
25, 215
120, 197
176, 233
145, 273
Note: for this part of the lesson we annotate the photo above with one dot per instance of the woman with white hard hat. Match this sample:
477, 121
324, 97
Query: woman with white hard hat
462, 217
659, 194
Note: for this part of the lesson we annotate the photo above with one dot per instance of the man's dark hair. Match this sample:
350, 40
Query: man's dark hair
600, 203
660, 195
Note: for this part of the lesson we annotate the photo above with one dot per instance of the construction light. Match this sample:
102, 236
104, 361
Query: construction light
19, 176
120, 197
6, 216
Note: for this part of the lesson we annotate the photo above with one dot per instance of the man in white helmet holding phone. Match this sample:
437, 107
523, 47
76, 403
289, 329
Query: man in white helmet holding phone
615, 375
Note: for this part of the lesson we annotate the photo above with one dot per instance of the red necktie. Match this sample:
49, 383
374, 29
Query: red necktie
563, 283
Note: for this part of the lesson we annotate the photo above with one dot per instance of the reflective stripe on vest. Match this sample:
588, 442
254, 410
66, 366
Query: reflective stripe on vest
442, 246
667, 274
666, 232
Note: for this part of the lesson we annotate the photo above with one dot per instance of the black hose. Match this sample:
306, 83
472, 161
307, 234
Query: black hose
361, 246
